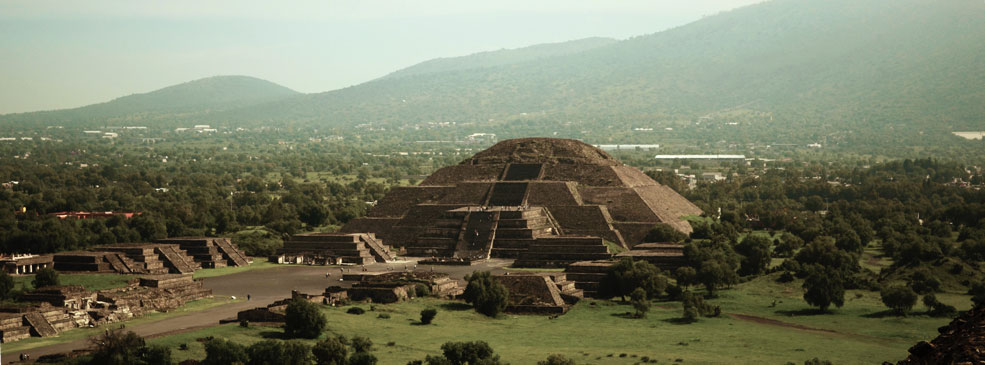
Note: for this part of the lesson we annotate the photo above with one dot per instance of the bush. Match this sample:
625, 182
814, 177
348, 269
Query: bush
303, 319
6, 284
362, 358
936, 308
628, 274
556, 359
486, 295
640, 303
923, 282
664, 233
900, 298
383, 316
427, 315
977, 292
45, 277
121, 348
421, 290
355, 310
331, 351
220, 351
362, 344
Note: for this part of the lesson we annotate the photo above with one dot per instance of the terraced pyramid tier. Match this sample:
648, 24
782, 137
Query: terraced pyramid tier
504, 197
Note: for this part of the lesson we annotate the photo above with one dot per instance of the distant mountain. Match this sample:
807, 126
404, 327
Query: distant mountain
810, 68
838, 71
197, 97
502, 57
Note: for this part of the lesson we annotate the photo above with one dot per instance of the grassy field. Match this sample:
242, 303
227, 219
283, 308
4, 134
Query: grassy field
82, 333
89, 281
259, 263
598, 332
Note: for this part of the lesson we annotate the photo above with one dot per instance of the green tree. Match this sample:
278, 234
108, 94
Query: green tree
823, 288
428, 315
899, 298
362, 344
663, 232
362, 358
640, 302
123, 348
45, 277
303, 319
628, 275
221, 351
6, 284
755, 251
331, 351
685, 276
486, 295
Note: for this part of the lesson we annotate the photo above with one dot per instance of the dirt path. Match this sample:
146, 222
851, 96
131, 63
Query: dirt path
263, 287
773, 322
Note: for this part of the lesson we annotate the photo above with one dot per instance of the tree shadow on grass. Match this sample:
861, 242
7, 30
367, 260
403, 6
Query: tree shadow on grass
627, 315
274, 335
803, 312
456, 306
883, 314
681, 320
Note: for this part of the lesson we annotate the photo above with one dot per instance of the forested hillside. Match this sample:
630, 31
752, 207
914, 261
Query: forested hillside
839, 72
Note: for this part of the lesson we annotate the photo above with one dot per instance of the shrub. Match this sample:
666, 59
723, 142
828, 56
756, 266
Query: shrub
221, 351
118, 347
362, 358
45, 277
900, 298
640, 303
355, 310
421, 290
664, 233
486, 295
936, 308
362, 344
556, 359
303, 319
331, 351
427, 315
6, 284
383, 316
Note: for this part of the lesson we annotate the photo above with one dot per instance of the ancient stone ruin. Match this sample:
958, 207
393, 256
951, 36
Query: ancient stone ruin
332, 249
210, 252
52, 310
665, 256
539, 293
24, 264
502, 200
182, 255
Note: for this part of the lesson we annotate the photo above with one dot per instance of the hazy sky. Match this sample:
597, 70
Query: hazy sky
60, 54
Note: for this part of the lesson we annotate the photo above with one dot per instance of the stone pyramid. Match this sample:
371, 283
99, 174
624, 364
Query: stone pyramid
502, 199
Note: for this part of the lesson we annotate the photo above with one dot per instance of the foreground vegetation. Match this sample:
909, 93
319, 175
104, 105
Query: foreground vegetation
604, 332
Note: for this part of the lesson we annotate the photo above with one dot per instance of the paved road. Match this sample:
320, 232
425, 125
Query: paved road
264, 287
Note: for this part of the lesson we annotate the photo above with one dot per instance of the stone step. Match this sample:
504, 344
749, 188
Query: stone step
40, 325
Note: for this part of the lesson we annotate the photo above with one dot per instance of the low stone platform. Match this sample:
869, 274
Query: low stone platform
559, 251
665, 256
587, 275
539, 293
25, 264
210, 252
334, 248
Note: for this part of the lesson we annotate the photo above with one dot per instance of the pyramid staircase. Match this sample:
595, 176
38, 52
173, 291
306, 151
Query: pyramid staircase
518, 229
40, 324
349, 248
176, 260
376, 247
441, 239
476, 240
232, 253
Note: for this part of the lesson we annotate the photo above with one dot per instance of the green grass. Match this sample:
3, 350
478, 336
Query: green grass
89, 281
259, 263
534, 269
82, 333
614, 248
598, 333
